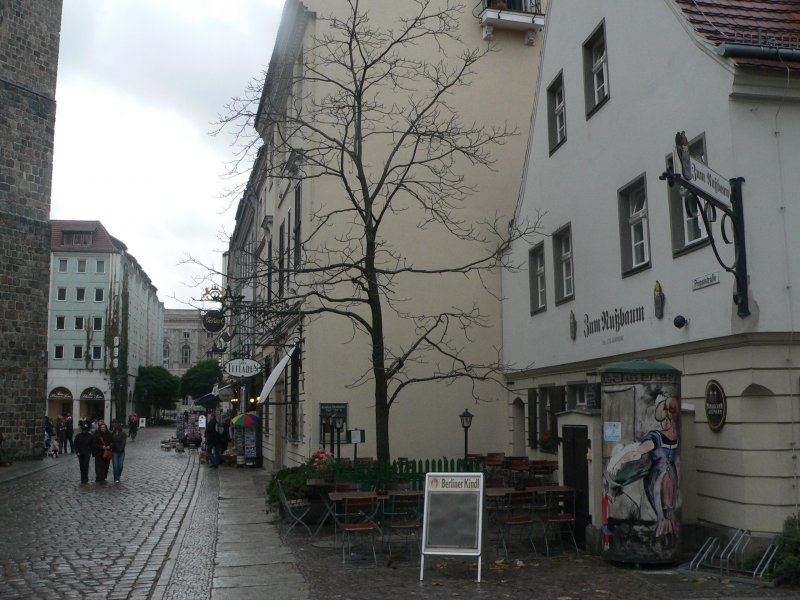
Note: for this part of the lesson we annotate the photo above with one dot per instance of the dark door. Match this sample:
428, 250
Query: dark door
576, 473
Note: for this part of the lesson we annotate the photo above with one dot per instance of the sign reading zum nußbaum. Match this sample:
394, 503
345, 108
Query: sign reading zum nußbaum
453, 516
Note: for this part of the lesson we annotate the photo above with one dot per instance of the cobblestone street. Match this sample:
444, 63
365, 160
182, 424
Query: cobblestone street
102, 540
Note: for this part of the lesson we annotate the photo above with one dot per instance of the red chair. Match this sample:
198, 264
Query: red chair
356, 517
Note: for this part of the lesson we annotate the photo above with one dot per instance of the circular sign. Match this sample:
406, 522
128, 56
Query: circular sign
716, 405
213, 321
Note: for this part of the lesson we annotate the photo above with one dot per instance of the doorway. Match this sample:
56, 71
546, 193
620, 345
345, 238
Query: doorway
575, 446
518, 427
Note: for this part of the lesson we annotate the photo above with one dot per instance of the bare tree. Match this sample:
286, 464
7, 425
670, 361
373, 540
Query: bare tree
371, 110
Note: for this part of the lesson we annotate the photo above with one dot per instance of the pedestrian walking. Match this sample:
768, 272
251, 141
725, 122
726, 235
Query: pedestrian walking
48, 432
101, 448
212, 446
68, 430
118, 440
83, 448
133, 426
61, 433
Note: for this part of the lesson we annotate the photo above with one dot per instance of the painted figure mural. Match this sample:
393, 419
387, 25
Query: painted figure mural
641, 479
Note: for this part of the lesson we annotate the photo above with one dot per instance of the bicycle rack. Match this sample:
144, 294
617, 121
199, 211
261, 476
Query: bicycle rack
730, 561
733, 554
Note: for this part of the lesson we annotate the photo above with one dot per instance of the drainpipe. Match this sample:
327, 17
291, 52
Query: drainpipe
730, 50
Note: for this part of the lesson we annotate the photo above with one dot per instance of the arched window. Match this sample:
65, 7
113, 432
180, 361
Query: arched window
186, 355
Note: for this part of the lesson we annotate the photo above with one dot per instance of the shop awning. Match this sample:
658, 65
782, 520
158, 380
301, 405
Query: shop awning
207, 401
275, 375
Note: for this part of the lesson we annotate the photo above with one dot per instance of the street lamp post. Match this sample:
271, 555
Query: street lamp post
466, 423
339, 422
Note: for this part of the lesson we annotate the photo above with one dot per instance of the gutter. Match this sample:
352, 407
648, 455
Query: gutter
762, 52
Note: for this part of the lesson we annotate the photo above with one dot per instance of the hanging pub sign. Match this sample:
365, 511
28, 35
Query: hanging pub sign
716, 405
242, 367
213, 321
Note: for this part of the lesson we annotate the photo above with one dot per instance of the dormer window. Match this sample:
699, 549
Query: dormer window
76, 238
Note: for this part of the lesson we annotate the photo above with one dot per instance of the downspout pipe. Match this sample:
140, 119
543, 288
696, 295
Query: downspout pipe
763, 52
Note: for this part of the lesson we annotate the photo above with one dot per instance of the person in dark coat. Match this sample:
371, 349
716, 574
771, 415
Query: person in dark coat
211, 442
102, 440
83, 448
69, 431
118, 439
48, 432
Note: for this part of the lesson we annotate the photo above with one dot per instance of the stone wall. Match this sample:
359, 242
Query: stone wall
29, 44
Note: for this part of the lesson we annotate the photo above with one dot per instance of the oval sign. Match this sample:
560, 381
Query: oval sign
213, 321
716, 405
242, 367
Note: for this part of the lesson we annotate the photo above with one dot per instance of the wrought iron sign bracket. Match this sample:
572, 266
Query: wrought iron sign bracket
699, 202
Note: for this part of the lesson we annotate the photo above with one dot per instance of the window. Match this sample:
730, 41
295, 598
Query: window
294, 396
166, 352
186, 355
82, 265
97, 352
62, 265
101, 266
187, 335
61, 294
634, 233
80, 294
536, 276
562, 252
98, 294
556, 113
688, 230
60, 322
58, 352
595, 70
76, 238
533, 421
281, 266
298, 199
97, 323
77, 352
576, 395
78, 323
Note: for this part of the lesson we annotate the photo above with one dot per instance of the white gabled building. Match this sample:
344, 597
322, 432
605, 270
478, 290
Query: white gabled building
618, 80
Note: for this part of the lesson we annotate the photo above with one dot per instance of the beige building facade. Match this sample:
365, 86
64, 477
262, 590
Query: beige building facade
280, 222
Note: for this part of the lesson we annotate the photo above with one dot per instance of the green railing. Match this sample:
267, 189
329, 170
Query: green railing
382, 475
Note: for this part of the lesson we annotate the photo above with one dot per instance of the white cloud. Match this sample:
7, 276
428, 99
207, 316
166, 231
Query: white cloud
139, 83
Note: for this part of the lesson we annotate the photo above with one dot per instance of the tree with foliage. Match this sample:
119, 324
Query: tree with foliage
157, 388
199, 380
371, 111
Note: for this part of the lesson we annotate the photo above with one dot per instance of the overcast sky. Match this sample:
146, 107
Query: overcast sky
139, 84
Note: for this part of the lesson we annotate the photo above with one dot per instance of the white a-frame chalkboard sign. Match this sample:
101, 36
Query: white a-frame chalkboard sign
453, 518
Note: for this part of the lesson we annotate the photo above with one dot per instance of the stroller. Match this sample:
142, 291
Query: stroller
53, 448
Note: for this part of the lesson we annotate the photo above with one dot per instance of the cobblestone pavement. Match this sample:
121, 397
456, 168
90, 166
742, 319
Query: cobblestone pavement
565, 577
61, 539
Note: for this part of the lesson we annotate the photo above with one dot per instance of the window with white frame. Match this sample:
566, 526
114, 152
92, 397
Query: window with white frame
60, 322
99, 294
563, 264
536, 274
556, 113
61, 294
187, 335
186, 355
688, 230
78, 323
101, 266
633, 228
97, 323
77, 352
595, 70
82, 265
62, 265
58, 351
80, 295
97, 352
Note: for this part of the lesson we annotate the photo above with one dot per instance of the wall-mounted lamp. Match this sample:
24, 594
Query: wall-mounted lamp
680, 321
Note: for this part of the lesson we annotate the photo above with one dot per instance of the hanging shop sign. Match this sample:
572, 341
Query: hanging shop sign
716, 405
213, 321
242, 367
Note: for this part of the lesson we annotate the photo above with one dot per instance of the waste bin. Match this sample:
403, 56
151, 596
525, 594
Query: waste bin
641, 499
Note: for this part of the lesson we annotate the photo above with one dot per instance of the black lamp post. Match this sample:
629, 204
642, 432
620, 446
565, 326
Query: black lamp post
338, 421
466, 422
327, 427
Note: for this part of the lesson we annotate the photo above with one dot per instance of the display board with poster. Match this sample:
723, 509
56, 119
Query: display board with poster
249, 442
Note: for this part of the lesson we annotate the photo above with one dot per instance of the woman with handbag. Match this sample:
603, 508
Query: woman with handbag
101, 448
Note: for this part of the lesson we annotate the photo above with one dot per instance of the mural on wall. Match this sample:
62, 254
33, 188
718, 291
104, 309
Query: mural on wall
641, 479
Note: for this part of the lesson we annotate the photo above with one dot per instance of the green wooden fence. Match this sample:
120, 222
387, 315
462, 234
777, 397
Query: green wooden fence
382, 475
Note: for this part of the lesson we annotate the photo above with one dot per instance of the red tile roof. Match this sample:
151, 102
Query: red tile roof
755, 23
102, 241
